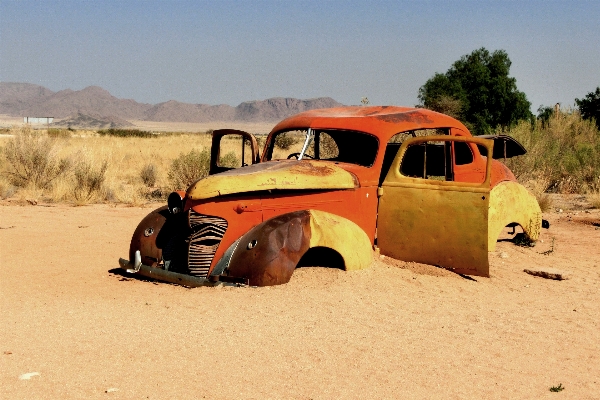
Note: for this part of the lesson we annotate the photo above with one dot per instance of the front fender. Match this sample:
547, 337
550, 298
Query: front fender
268, 253
154, 235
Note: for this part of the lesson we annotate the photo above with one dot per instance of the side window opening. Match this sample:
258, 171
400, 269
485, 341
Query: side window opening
463, 154
390, 153
429, 160
394, 145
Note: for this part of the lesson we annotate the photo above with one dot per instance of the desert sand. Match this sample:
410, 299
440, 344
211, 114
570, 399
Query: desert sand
397, 330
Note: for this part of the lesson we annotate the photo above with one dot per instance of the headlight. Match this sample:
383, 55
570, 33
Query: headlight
175, 203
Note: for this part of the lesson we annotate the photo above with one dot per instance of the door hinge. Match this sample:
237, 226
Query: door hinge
379, 191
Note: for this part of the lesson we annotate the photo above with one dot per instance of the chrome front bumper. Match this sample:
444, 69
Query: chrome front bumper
136, 267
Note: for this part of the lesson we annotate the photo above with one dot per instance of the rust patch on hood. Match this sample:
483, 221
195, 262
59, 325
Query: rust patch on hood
283, 175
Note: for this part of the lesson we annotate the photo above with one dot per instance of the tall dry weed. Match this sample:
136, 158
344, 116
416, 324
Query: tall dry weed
563, 154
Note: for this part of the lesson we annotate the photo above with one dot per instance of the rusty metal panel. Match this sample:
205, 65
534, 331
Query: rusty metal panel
146, 236
510, 202
288, 175
268, 254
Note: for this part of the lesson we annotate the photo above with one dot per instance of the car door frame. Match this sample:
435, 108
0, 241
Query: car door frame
215, 148
443, 223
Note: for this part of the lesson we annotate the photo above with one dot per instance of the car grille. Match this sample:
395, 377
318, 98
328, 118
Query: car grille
207, 233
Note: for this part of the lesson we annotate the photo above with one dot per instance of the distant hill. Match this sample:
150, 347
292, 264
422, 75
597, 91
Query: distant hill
26, 99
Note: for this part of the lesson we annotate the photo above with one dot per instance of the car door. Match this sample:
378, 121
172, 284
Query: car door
425, 216
231, 149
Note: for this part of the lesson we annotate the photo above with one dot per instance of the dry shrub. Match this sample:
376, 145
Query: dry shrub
88, 179
539, 188
57, 133
149, 175
565, 153
188, 168
285, 141
229, 160
125, 133
327, 147
32, 159
132, 195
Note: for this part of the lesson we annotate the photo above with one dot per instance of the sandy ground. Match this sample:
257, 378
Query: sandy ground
397, 330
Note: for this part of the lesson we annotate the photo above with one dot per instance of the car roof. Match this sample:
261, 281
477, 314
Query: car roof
381, 121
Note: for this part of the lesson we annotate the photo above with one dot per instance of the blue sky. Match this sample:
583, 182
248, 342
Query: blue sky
232, 51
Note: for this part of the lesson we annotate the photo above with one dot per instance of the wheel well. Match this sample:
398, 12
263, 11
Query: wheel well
322, 257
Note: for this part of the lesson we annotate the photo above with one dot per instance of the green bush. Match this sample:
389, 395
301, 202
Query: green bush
32, 159
589, 106
188, 168
125, 133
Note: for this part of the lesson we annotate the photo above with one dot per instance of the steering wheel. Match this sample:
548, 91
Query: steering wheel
298, 155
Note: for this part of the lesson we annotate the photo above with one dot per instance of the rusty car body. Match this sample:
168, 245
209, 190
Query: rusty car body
409, 183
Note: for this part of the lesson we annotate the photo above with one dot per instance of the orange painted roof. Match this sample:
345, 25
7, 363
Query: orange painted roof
382, 121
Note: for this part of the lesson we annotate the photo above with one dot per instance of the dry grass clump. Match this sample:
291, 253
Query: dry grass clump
89, 180
6, 189
58, 133
149, 175
594, 199
563, 154
32, 159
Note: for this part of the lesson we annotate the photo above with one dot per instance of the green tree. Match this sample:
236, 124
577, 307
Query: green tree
589, 106
544, 114
478, 91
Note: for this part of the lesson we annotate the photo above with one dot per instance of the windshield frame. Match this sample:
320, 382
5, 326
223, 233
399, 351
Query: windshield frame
310, 137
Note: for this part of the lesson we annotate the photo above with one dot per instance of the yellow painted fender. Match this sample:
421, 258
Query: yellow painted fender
511, 202
342, 235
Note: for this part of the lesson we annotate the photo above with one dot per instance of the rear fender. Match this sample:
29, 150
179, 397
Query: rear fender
268, 253
510, 202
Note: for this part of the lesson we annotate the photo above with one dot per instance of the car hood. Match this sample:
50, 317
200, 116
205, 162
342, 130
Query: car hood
282, 175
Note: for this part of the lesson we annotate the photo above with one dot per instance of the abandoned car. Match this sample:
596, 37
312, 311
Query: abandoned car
331, 187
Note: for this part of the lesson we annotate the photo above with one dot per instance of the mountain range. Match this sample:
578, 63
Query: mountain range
26, 99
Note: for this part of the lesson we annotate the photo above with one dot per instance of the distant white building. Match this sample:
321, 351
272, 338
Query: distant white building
38, 120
